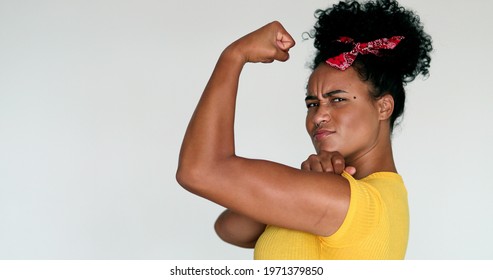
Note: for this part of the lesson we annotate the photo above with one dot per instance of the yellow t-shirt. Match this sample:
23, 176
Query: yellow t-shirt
376, 227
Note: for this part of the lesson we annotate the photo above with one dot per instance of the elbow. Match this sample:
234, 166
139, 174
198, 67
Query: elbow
185, 177
192, 178
197, 176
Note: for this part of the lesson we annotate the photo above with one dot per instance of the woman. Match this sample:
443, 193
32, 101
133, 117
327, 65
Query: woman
347, 201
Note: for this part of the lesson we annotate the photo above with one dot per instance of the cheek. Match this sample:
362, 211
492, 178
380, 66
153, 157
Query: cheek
369, 121
308, 123
357, 119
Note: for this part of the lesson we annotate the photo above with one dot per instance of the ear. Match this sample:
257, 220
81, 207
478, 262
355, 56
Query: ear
385, 106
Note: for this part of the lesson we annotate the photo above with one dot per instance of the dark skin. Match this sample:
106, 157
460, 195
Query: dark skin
348, 133
244, 232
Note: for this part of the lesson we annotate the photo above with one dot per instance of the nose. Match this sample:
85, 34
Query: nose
320, 116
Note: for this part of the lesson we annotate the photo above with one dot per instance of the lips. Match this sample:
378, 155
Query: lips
322, 133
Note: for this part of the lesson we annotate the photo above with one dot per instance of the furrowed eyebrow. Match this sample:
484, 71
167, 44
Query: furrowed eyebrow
325, 95
311, 97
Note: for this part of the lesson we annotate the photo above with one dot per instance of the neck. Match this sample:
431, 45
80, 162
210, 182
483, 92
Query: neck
379, 158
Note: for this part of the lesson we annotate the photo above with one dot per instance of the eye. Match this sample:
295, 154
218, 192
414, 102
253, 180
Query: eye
337, 99
311, 105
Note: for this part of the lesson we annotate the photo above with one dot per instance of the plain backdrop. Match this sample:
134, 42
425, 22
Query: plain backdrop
95, 97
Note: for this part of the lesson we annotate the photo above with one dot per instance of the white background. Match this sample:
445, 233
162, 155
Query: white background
95, 97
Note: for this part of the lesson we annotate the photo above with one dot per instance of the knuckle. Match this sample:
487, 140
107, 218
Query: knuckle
329, 169
312, 156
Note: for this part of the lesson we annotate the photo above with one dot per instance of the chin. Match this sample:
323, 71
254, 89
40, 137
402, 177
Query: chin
327, 148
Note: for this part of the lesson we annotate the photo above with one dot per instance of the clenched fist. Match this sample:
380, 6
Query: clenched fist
324, 161
266, 44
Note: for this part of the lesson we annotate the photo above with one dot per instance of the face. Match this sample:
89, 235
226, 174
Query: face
342, 116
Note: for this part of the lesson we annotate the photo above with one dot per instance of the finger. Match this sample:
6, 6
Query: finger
338, 163
350, 169
316, 166
314, 163
282, 56
284, 41
282, 53
327, 164
305, 165
325, 159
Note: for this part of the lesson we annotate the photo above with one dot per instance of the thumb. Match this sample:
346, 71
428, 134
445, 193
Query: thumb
284, 41
350, 169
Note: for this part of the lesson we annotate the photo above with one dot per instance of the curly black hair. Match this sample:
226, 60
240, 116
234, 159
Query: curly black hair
368, 21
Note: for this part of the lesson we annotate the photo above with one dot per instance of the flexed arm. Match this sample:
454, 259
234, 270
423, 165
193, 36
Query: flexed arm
209, 136
263, 191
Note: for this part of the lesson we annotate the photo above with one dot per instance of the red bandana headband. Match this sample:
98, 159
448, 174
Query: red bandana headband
345, 59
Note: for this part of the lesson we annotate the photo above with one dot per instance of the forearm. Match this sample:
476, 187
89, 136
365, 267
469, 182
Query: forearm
238, 229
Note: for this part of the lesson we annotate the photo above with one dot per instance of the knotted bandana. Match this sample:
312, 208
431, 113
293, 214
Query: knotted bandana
346, 59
